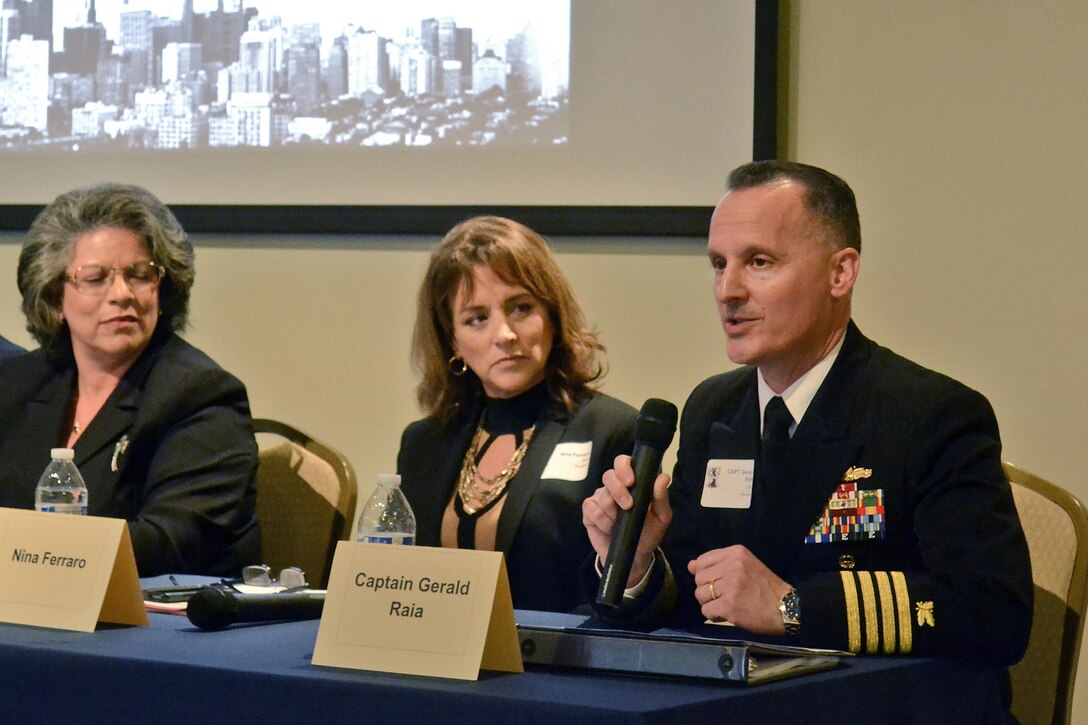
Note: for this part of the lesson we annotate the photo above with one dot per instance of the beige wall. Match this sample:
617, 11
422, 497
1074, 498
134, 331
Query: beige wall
963, 127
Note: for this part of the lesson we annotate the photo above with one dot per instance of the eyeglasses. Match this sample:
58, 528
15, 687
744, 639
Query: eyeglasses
95, 279
260, 575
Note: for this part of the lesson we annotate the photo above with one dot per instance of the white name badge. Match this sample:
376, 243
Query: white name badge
569, 462
728, 483
67, 572
418, 610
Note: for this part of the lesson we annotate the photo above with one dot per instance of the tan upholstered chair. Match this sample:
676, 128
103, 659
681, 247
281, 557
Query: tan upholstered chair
306, 495
1056, 526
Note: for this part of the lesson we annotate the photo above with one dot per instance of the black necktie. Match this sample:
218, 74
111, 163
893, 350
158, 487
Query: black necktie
774, 489
776, 427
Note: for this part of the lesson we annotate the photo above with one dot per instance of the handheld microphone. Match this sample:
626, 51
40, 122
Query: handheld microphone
654, 429
215, 607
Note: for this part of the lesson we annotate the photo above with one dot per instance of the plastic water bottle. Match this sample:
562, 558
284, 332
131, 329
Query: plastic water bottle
61, 489
387, 518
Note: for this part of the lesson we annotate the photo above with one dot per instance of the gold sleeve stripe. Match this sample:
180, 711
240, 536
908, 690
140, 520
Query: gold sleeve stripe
902, 605
887, 610
853, 623
868, 603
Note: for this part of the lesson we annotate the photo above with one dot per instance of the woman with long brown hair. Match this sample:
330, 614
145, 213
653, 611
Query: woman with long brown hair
515, 434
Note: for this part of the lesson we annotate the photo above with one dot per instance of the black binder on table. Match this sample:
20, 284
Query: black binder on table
571, 641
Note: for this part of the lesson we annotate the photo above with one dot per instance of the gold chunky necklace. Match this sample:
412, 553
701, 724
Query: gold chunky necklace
474, 487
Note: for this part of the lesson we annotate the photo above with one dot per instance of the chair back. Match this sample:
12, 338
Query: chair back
1056, 526
306, 493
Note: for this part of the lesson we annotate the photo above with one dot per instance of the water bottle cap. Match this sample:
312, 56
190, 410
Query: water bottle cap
392, 480
62, 454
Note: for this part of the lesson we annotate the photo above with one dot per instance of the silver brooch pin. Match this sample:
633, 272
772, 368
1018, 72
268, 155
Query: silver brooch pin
118, 451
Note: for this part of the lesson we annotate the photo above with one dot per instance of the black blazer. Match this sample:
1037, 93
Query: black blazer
950, 575
8, 348
540, 529
171, 451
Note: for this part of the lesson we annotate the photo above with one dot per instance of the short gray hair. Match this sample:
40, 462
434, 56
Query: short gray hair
49, 244
827, 196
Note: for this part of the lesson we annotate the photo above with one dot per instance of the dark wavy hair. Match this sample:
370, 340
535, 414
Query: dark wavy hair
827, 196
518, 256
49, 244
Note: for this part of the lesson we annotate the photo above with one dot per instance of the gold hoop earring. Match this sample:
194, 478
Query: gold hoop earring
453, 361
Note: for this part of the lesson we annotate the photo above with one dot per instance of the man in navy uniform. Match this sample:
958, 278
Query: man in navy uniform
829, 489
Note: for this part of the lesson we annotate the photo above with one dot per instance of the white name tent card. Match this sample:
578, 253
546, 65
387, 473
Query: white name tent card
67, 572
418, 610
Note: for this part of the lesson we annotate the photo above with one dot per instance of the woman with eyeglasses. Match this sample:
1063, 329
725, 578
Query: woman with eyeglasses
516, 435
162, 434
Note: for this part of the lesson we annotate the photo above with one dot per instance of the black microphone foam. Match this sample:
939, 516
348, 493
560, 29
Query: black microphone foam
215, 607
654, 430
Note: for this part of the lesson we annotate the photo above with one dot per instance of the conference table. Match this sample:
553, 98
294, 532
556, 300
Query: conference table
173, 672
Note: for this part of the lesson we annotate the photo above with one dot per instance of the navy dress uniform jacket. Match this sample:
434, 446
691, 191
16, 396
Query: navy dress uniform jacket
943, 571
540, 529
171, 451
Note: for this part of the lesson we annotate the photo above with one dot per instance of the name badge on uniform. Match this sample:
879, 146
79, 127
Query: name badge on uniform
569, 462
728, 483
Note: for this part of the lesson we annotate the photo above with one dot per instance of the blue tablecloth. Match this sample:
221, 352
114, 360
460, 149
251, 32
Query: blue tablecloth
174, 672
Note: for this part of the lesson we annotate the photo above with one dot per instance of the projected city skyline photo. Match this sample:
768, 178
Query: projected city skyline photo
191, 74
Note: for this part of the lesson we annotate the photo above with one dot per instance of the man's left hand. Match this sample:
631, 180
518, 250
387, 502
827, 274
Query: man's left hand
744, 592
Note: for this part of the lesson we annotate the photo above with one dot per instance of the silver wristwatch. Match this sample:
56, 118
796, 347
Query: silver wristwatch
790, 607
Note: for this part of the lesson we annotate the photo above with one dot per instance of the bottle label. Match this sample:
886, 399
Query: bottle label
64, 508
406, 539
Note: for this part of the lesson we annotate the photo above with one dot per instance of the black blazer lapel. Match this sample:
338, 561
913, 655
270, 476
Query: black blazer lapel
118, 413
810, 473
44, 419
821, 451
43, 412
107, 428
524, 484
443, 472
737, 438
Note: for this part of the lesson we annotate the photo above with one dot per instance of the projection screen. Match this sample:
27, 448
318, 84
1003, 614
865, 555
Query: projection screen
575, 116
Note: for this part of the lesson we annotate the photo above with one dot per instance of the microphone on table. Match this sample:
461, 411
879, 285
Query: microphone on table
214, 607
654, 429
